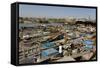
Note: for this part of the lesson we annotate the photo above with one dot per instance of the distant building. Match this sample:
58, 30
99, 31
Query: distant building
26, 21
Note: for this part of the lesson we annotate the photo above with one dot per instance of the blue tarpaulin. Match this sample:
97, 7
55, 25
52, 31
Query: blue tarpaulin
88, 44
47, 44
49, 52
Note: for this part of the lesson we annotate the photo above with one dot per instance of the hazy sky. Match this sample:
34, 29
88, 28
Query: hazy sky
53, 11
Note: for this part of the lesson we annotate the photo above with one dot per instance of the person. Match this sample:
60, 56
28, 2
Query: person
60, 51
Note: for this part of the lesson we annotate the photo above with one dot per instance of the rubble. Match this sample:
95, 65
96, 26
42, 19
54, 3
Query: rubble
76, 40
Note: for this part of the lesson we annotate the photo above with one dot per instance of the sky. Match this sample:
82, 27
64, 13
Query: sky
55, 12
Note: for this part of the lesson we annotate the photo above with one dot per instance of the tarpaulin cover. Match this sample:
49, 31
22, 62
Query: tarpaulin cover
49, 52
88, 44
47, 44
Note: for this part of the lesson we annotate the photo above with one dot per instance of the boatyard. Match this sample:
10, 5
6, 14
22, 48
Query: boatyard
56, 41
